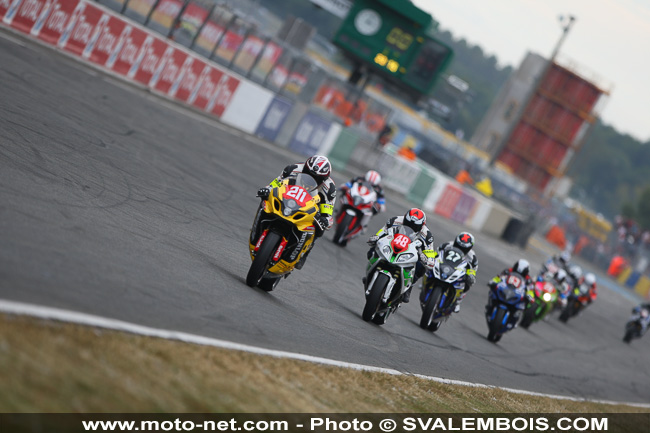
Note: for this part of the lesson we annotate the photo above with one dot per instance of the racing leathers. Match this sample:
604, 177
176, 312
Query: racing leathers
426, 253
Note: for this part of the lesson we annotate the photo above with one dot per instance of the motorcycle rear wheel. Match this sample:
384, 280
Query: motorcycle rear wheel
529, 315
628, 336
262, 258
373, 300
566, 313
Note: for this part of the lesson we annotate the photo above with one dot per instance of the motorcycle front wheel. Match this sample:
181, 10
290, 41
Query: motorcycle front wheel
495, 326
373, 301
429, 311
262, 258
342, 231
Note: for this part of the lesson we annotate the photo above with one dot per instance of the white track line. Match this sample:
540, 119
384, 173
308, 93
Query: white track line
43, 312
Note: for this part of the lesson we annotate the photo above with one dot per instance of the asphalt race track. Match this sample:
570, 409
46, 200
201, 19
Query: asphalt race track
116, 203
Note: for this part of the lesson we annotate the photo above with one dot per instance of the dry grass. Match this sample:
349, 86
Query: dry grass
55, 367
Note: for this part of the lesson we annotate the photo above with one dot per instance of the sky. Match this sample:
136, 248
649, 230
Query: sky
609, 40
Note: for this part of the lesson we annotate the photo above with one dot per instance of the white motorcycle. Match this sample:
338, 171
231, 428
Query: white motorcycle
390, 273
441, 287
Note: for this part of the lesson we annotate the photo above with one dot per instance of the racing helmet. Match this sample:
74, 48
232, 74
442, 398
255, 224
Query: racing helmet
464, 241
415, 219
590, 279
565, 258
318, 167
373, 178
560, 276
522, 267
575, 272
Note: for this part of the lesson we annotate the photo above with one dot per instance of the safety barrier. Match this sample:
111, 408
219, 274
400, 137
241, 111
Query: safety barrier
97, 35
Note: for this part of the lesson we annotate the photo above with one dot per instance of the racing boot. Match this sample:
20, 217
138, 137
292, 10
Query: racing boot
406, 297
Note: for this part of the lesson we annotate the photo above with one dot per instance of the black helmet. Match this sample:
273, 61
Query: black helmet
522, 267
464, 241
318, 167
415, 219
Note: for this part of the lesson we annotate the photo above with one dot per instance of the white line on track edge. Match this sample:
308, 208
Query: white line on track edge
42, 312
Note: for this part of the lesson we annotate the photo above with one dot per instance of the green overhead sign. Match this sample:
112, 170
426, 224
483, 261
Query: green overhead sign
390, 37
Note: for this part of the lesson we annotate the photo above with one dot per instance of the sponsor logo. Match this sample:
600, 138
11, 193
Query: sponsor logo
186, 71
298, 248
115, 49
81, 33
160, 66
40, 21
99, 29
222, 93
199, 85
145, 50
11, 12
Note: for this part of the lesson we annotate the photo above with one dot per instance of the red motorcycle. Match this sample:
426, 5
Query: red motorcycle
355, 211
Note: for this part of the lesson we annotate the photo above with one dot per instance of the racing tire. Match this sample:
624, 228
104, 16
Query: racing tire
373, 301
529, 315
495, 326
268, 284
566, 313
342, 230
262, 258
628, 336
430, 309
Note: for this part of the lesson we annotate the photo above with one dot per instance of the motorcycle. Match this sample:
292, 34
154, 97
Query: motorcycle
356, 206
441, 287
283, 230
576, 300
390, 273
506, 303
544, 296
638, 324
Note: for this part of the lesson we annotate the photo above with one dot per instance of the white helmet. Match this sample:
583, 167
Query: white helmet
373, 177
590, 279
522, 267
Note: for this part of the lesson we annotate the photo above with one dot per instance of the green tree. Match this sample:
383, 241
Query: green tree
643, 209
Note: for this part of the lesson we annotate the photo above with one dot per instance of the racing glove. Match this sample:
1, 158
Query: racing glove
321, 222
263, 192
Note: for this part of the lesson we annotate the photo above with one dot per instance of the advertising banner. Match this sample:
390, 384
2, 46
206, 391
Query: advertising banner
205, 87
223, 93
250, 49
131, 52
448, 200
208, 37
80, 31
193, 16
173, 62
310, 133
139, 7
109, 36
54, 20
188, 80
269, 57
464, 208
166, 12
25, 15
154, 53
274, 118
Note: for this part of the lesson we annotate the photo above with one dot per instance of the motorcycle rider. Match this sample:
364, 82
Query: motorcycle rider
646, 322
556, 262
320, 168
374, 179
590, 280
521, 267
464, 242
415, 219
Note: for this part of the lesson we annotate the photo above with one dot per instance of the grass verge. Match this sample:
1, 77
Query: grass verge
48, 366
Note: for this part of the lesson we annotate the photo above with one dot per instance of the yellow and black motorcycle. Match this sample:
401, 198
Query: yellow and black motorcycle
283, 230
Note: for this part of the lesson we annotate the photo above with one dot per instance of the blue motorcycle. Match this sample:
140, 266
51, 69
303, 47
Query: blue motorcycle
506, 303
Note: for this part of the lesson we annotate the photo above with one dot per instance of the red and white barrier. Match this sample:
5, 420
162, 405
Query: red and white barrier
112, 42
